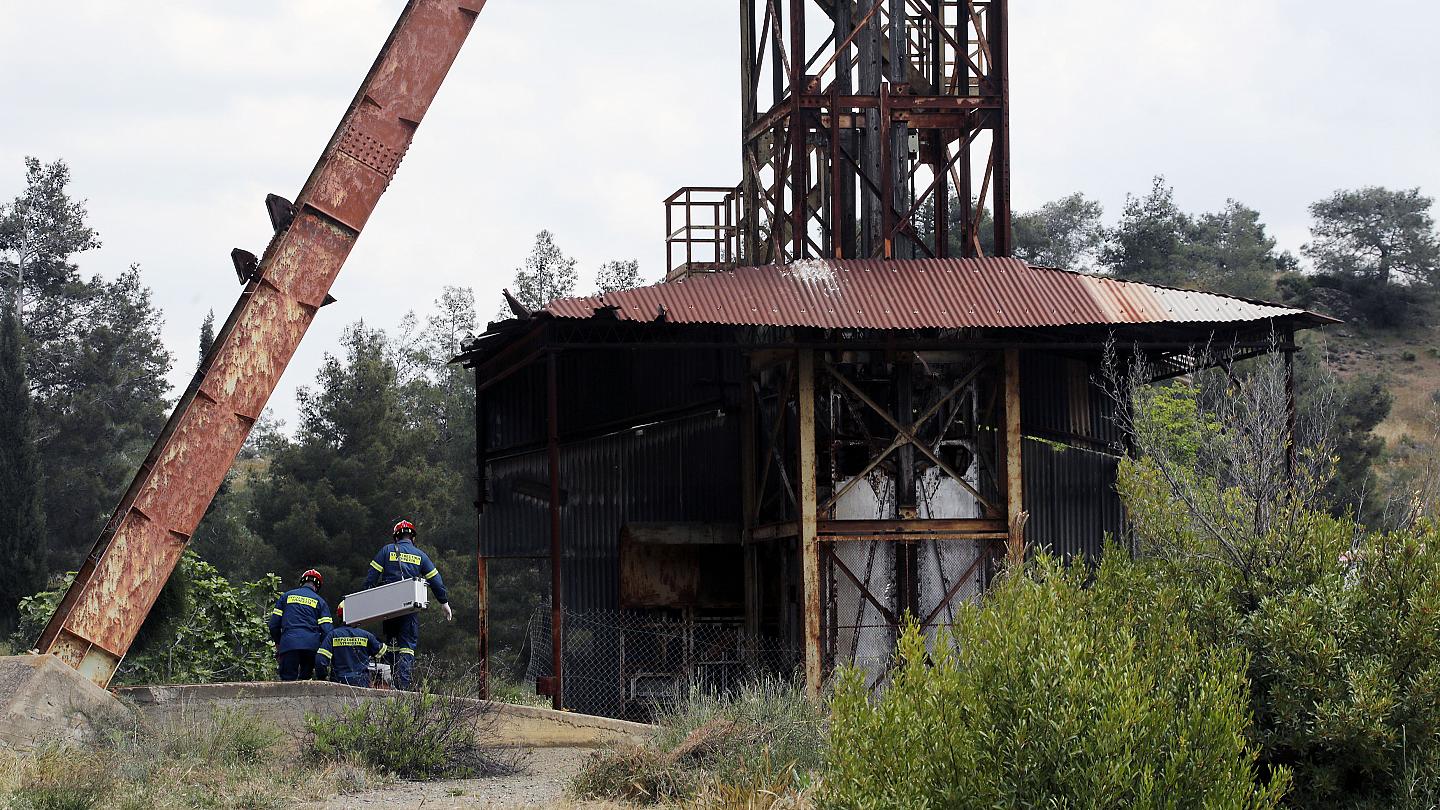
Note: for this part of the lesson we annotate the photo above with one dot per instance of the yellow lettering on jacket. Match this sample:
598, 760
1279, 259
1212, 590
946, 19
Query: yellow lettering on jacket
400, 556
349, 641
293, 599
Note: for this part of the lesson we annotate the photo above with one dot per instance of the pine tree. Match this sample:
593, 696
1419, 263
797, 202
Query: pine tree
22, 531
207, 335
618, 275
548, 274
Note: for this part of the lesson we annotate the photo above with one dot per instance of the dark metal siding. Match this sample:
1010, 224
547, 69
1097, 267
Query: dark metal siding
1061, 398
607, 388
682, 470
1071, 496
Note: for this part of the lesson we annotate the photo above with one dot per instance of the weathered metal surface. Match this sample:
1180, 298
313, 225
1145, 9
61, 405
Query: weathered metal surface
1070, 494
919, 294
809, 523
1014, 469
680, 575
116, 586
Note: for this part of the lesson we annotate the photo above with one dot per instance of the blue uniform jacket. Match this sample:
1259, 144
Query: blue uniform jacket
347, 652
401, 561
299, 620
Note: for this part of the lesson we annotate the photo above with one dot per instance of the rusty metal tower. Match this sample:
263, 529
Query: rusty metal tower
862, 124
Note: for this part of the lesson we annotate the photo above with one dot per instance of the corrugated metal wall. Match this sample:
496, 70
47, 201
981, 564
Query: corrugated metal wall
607, 387
1061, 399
1070, 493
686, 469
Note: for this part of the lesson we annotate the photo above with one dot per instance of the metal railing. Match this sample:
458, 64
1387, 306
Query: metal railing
701, 227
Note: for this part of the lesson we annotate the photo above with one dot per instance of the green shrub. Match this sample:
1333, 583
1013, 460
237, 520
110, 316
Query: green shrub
414, 736
1051, 694
1341, 631
766, 733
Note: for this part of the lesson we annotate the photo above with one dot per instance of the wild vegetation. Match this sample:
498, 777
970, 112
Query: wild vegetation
765, 738
226, 760
424, 735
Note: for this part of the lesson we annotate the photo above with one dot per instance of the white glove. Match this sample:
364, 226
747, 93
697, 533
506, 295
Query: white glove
449, 614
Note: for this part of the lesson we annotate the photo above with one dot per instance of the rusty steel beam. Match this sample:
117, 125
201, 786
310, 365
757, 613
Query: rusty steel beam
809, 524
118, 582
557, 595
1014, 478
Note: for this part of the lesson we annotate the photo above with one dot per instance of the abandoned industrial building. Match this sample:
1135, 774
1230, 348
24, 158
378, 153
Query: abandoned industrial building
845, 403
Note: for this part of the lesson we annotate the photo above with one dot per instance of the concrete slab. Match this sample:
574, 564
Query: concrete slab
42, 700
287, 704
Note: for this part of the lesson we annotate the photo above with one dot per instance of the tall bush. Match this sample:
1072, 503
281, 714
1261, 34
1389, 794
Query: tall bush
1052, 694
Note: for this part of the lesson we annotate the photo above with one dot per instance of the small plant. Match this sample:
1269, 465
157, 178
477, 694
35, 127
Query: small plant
413, 736
1408, 356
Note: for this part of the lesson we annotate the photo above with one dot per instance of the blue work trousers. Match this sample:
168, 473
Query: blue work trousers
402, 633
297, 665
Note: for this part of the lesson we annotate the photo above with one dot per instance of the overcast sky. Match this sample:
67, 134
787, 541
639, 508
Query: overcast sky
581, 116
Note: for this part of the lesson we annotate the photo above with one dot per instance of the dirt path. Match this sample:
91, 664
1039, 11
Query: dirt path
539, 784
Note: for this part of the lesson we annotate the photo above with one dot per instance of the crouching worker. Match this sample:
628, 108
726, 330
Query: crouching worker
399, 561
297, 626
346, 652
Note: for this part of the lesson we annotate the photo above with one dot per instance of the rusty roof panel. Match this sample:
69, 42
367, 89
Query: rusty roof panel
917, 294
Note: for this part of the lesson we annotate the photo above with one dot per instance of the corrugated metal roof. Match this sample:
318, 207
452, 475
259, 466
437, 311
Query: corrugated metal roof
918, 294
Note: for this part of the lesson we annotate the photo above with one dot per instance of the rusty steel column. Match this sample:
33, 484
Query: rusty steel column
809, 525
118, 582
557, 599
999, 17
482, 600
1014, 475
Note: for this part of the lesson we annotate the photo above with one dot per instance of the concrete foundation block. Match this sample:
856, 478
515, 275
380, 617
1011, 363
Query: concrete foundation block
44, 701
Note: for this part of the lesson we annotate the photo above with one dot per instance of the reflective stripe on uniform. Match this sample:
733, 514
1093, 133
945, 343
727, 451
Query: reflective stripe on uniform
277, 612
377, 566
404, 651
323, 651
434, 572
384, 648
400, 556
324, 620
296, 599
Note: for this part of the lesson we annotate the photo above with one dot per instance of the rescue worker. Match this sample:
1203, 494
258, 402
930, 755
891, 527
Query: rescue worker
346, 652
297, 626
397, 561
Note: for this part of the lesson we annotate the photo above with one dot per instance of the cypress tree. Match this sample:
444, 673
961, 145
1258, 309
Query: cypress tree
22, 533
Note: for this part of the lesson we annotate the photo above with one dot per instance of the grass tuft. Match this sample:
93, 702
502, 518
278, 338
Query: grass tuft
752, 748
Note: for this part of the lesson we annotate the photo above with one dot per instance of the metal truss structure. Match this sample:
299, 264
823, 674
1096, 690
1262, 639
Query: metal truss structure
895, 476
860, 122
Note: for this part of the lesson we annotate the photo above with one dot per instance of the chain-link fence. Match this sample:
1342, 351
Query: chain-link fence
630, 664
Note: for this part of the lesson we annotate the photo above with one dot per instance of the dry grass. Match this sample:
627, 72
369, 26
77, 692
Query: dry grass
230, 760
754, 750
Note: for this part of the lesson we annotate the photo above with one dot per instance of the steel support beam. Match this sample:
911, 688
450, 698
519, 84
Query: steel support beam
119, 580
1014, 476
809, 524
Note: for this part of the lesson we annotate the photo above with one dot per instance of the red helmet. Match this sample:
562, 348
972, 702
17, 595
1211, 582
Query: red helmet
340, 612
311, 573
403, 527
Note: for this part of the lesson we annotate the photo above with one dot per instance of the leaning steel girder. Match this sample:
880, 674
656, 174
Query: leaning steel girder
119, 581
